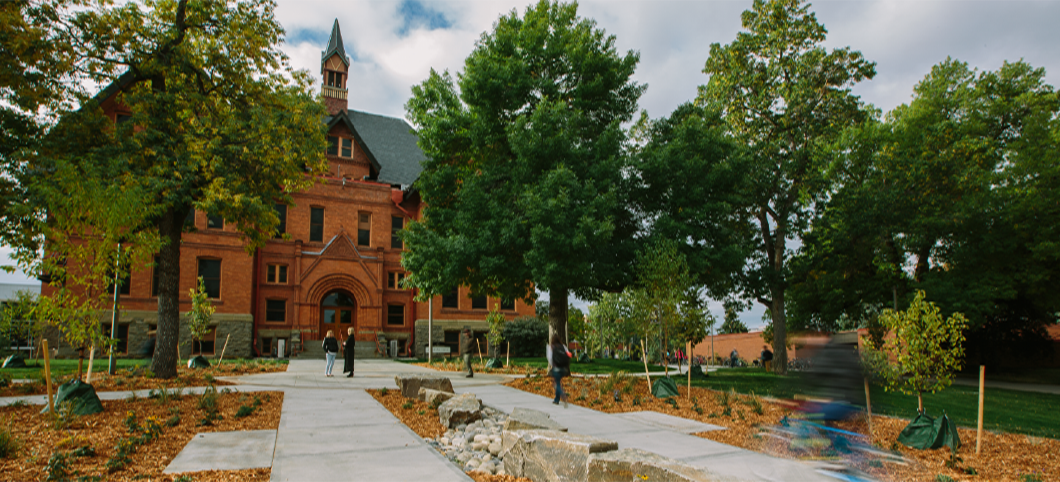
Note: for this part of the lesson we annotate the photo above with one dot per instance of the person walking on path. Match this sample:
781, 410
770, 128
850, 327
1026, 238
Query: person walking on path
347, 353
559, 361
331, 348
466, 343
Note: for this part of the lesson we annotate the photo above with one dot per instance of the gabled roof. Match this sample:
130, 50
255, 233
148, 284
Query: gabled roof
335, 46
388, 141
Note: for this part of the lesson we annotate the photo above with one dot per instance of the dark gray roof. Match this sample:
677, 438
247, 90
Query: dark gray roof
390, 145
335, 45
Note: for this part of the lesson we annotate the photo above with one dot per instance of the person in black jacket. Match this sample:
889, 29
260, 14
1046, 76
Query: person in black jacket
347, 353
331, 348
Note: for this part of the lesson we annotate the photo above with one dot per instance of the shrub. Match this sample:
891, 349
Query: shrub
244, 411
8, 443
528, 336
407, 405
5, 380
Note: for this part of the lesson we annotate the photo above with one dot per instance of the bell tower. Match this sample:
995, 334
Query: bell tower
334, 68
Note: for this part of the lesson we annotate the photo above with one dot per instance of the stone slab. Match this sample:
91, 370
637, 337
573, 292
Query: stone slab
463, 408
433, 397
410, 383
668, 422
635, 465
550, 455
528, 419
251, 449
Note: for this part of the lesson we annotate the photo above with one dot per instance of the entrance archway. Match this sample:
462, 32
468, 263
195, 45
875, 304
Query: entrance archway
337, 313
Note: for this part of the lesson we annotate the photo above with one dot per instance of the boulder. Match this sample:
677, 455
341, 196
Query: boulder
82, 397
198, 361
463, 408
527, 419
550, 455
410, 383
432, 396
15, 361
635, 465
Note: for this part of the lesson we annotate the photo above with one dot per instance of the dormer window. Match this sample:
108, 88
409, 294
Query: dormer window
340, 146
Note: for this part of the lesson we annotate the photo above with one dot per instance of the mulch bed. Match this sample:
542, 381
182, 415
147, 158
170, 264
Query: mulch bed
130, 379
1004, 457
39, 439
423, 419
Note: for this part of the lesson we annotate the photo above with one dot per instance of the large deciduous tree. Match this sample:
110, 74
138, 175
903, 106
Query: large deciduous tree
219, 122
523, 182
786, 97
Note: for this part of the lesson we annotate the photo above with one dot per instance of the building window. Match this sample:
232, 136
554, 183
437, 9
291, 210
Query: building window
394, 278
479, 303
215, 222
395, 315
347, 147
123, 283
205, 346
396, 224
507, 304
281, 212
210, 272
334, 79
333, 146
276, 311
451, 300
276, 273
154, 278
316, 224
364, 229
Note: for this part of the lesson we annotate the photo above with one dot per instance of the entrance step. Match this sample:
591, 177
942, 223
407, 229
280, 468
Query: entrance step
313, 350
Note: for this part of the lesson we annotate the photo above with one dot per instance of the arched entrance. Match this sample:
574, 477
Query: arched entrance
337, 313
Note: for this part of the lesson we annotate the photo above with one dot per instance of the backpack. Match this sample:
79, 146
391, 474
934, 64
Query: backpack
560, 357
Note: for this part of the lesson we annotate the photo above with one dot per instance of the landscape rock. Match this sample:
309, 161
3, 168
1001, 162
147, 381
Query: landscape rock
550, 455
432, 396
635, 465
461, 409
410, 383
527, 419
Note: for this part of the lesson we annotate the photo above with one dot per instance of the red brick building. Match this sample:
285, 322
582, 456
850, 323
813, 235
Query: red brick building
336, 263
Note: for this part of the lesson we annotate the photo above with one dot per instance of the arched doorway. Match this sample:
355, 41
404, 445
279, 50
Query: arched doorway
337, 313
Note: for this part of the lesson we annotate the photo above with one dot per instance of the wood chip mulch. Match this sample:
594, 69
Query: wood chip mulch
1004, 457
126, 379
422, 419
38, 438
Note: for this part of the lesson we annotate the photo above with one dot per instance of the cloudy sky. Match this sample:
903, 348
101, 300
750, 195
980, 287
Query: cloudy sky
394, 44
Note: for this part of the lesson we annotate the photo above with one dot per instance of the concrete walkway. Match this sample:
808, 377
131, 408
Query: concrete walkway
331, 429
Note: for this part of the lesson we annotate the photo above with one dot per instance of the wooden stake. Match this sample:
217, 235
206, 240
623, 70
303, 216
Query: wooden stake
178, 351
48, 374
868, 407
223, 349
479, 346
689, 370
979, 431
91, 360
644, 358
508, 355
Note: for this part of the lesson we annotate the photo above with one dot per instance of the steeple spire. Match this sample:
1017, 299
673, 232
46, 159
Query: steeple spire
335, 45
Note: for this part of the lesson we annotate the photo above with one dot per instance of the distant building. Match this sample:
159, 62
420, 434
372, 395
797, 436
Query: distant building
339, 269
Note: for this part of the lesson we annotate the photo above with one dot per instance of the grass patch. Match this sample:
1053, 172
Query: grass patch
1011, 411
65, 367
596, 367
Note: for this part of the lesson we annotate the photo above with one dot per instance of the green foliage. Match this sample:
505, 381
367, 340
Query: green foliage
523, 181
383, 391
732, 322
5, 380
943, 478
65, 414
9, 443
173, 421
244, 411
768, 84
528, 336
924, 353
496, 322
200, 313
1035, 477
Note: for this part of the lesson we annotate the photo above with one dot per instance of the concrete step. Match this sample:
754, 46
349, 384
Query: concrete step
314, 351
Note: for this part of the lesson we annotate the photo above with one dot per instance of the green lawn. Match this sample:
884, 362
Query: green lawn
67, 367
597, 366
1007, 410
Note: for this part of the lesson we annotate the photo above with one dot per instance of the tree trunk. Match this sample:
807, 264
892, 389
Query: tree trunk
164, 363
780, 332
557, 314
919, 402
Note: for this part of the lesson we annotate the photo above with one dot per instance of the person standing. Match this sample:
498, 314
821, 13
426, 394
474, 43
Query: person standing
466, 342
559, 361
734, 358
331, 348
347, 352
